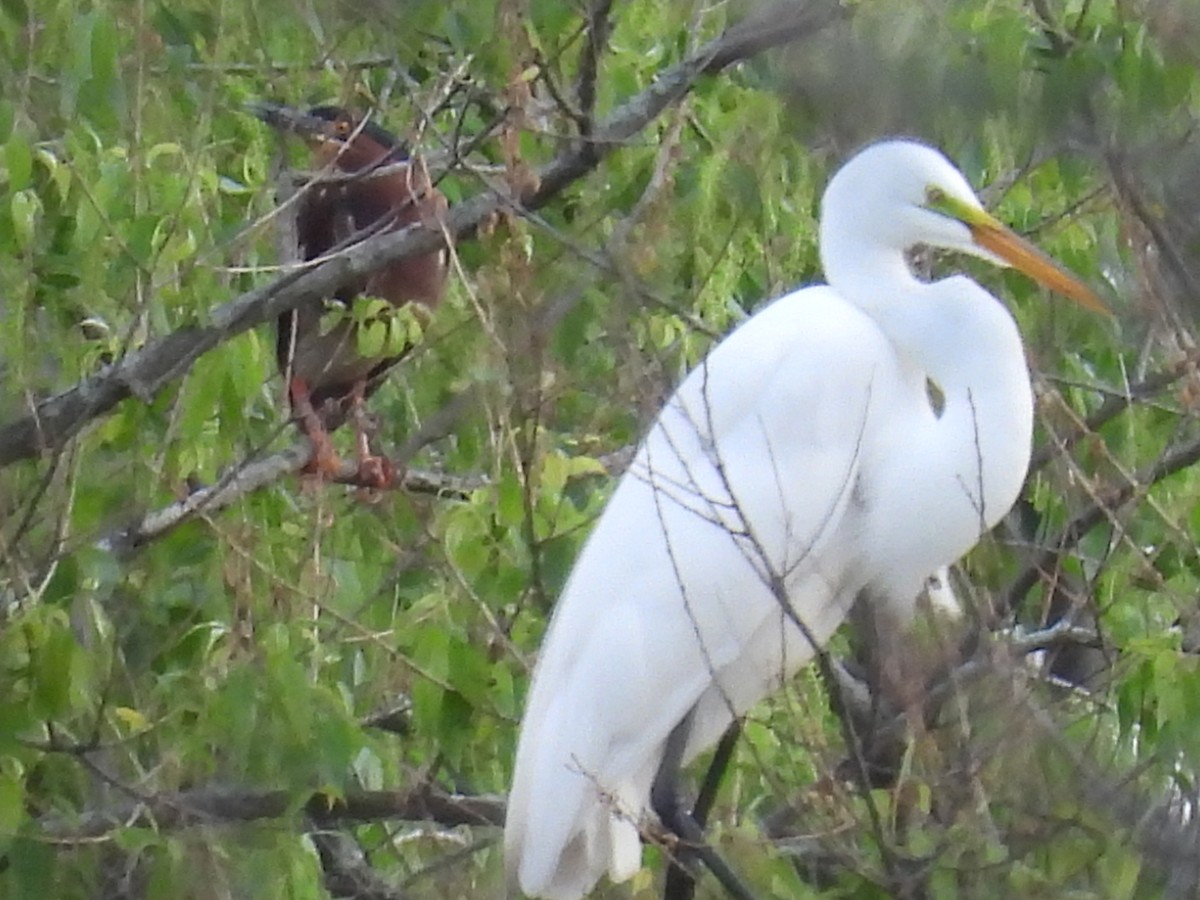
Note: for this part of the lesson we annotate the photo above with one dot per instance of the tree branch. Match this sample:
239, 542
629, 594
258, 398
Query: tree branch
207, 806
595, 41
348, 872
246, 479
1174, 460
1113, 405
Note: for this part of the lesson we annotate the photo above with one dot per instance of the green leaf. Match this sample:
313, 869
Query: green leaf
54, 665
33, 865
105, 48
333, 316
510, 500
163, 150
371, 338
12, 800
18, 160
7, 117
431, 654
26, 211
60, 175
464, 533
131, 720
80, 54
468, 671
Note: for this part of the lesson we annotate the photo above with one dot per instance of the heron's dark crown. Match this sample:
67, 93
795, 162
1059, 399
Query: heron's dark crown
370, 130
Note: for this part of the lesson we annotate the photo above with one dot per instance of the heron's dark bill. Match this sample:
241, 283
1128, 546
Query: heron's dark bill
285, 118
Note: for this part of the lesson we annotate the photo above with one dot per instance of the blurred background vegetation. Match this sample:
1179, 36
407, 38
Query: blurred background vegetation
290, 692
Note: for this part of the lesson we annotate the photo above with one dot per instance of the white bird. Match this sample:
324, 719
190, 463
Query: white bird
801, 461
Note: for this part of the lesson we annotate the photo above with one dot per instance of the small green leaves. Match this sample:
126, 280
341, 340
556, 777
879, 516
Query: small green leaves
18, 162
12, 797
26, 211
384, 329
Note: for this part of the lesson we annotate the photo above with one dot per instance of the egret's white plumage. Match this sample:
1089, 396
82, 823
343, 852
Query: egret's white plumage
803, 459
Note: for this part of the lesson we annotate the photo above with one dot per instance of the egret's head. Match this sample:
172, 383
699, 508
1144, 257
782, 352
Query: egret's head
896, 194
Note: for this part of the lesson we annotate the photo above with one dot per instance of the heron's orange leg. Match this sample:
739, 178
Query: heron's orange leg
324, 463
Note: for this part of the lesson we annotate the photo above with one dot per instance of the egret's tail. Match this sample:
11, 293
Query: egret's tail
601, 845
564, 830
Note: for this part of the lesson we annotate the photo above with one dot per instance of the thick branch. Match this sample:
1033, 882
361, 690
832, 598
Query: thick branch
210, 806
599, 27
773, 26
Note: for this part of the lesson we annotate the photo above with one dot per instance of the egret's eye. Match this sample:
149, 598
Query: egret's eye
935, 198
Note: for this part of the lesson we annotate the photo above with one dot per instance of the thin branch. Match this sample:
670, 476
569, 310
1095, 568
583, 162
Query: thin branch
256, 474
1115, 404
396, 717
250, 477
1104, 508
1061, 632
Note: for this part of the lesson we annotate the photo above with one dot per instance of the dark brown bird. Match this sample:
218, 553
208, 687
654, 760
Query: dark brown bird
327, 374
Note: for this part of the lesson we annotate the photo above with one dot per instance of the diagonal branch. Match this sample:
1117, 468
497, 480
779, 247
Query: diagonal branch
52, 422
1116, 404
1182, 456
347, 870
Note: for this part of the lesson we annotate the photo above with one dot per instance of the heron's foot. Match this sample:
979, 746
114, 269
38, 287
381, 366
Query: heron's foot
376, 472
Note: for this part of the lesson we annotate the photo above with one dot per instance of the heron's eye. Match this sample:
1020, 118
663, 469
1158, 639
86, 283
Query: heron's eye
342, 128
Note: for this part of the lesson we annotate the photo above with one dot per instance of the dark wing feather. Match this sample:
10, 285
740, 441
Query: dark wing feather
334, 216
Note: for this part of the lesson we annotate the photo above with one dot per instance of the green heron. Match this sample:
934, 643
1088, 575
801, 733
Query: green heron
327, 371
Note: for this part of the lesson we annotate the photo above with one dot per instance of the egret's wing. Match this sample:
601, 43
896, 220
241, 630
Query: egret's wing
744, 481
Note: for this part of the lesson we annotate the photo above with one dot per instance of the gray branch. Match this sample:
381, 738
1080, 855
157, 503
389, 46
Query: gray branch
209, 806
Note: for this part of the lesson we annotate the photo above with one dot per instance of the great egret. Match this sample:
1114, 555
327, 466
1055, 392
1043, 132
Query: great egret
802, 459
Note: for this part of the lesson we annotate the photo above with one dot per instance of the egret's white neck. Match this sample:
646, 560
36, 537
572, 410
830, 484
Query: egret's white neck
953, 330
960, 337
